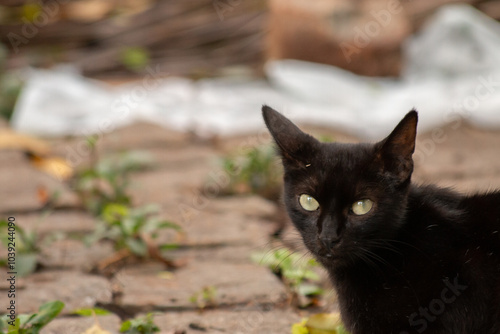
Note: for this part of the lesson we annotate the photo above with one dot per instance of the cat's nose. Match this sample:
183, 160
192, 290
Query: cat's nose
329, 242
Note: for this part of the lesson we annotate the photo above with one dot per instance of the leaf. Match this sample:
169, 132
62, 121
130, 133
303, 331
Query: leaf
125, 326
89, 312
12, 140
167, 224
26, 263
325, 323
54, 166
96, 329
305, 289
300, 328
164, 247
137, 246
114, 212
46, 313
135, 58
141, 325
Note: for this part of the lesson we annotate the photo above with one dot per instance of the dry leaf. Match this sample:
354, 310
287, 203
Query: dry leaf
11, 140
55, 166
96, 329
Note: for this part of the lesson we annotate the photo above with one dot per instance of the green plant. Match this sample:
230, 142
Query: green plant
135, 58
107, 180
10, 86
31, 323
25, 249
207, 296
256, 171
296, 271
141, 325
90, 312
131, 229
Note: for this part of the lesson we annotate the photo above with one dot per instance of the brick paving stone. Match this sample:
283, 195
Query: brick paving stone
226, 228
142, 135
229, 321
60, 221
236, 254
248, 205
185, 156
168, 188
73, 254
12, 158
78, 325
21, 183
235, 283
75, 289
136, 136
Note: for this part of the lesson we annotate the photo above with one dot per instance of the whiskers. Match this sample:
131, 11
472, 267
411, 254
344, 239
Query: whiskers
377, 254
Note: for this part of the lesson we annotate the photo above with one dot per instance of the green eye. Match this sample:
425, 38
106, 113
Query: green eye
308, 202
362, 207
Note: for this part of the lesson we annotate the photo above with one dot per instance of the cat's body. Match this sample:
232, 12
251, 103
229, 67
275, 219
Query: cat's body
403, 258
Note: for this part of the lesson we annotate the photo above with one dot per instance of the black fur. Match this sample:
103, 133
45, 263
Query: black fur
422, 260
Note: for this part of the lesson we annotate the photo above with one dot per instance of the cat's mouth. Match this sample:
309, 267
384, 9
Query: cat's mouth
328, 254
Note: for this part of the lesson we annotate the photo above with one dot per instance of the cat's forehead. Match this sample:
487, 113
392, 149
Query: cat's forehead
345, 155
335, 167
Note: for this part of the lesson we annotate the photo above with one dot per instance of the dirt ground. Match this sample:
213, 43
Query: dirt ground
220, 233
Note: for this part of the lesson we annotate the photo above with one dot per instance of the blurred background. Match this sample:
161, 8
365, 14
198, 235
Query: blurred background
114, 39
140, 178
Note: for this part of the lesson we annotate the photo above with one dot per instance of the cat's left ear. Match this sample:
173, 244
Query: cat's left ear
395, 152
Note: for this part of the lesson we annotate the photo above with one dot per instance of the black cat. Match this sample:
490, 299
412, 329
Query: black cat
403, 258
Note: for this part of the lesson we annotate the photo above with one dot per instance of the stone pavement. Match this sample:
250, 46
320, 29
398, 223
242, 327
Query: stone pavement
220, 233
219, 236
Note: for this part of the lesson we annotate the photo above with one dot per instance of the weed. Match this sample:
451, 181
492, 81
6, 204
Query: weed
10, 86
205, 297
141, 325
31, 323
256, 171
135, 58
26, 247
107, 180
131, 229
295, 271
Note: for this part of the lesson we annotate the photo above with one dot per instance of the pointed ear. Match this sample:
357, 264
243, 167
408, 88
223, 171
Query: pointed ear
295, 146
395, 151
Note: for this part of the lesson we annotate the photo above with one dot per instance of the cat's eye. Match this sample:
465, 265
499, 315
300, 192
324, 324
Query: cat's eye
362, 207
307, 202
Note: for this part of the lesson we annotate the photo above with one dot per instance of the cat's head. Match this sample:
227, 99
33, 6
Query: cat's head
345, 199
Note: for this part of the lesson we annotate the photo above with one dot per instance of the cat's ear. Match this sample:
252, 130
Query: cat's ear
295, 146
395, 152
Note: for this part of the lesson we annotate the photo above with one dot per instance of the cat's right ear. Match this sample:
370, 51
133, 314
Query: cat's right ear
295, 146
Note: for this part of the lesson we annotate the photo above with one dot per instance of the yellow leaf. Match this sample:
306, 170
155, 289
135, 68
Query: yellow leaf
55, 166
96, 329
323, 323
12, 140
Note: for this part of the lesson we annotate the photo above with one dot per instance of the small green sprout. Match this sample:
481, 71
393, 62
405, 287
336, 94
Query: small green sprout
205, 297
141, 325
